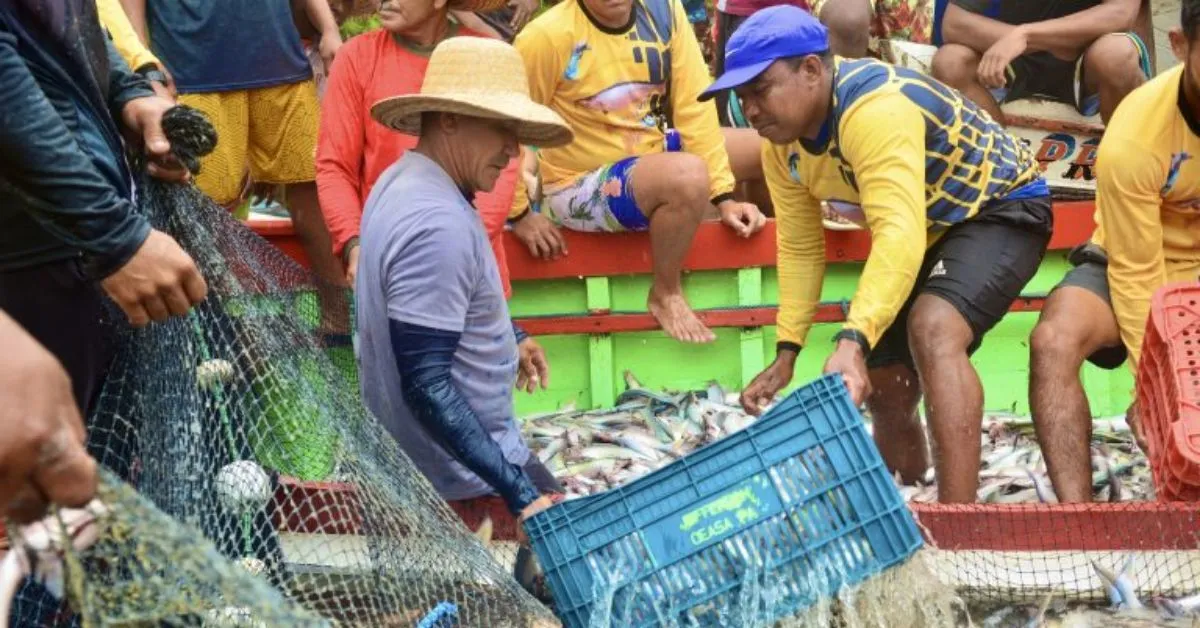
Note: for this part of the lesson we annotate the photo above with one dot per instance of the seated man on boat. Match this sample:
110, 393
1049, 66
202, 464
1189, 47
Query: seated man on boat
438, 350
1147, 198
1082, 53
647, 155
957, 229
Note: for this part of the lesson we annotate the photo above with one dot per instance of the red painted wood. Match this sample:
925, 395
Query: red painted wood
1062, 527
726, 317
317, 507
715, 247
333, 508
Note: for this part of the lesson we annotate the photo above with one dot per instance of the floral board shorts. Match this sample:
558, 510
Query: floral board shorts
600, 200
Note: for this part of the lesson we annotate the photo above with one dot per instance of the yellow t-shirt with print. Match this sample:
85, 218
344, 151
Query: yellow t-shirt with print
1148, 200
904, 156
611, 85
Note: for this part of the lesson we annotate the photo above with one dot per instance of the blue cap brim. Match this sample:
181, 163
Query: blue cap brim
735, 78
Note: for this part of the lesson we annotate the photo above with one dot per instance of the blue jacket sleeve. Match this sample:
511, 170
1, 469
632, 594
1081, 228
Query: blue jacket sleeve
124, 84
423, 356
44, 166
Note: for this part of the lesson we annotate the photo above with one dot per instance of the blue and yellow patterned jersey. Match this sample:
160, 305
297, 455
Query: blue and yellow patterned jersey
901, 154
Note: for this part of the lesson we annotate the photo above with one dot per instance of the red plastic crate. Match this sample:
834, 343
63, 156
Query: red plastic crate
1168, 391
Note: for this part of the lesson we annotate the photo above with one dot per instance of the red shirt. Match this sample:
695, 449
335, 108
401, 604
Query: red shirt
746, 8
353, 149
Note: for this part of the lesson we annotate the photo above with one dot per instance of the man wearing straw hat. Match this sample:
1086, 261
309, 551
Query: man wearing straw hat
438, 351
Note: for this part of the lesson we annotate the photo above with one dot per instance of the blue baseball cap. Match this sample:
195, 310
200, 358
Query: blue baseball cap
771, 34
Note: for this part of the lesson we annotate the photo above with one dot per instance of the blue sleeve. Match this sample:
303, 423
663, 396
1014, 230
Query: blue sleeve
124, 84
519, 333
423, 357
46, 169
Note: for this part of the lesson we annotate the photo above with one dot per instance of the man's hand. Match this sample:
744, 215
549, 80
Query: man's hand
330, 43
143, 121
541, 504
767, 384
534, 369
743, 218
159, 281
539, 234
848, 360
351, 263
522, 11
42, 455
994, 64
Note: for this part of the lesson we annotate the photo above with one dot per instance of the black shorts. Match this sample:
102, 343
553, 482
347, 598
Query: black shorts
1090, 272
980, 267
1043, 75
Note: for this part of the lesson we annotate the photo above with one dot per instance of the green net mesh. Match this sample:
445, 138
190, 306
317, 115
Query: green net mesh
267, 491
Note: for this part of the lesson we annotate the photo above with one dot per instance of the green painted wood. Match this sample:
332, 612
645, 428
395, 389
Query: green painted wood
602, 389
751, 340
586, 371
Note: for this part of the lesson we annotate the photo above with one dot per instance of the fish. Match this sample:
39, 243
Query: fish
1121, 590
590, 452
621, 96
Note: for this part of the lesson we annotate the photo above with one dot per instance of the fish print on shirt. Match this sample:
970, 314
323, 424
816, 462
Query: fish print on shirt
572, 71
1177, 160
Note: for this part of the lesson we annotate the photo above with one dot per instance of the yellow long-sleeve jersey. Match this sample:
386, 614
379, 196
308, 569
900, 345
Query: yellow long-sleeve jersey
129, 46
611, 85
902, 155
1148, 200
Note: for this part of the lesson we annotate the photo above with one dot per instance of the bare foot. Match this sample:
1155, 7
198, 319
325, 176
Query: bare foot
677, 318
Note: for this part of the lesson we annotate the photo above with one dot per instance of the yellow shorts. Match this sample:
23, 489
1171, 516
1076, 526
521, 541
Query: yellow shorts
272, 129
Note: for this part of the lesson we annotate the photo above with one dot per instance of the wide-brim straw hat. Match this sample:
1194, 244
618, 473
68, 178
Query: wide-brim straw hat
479, 77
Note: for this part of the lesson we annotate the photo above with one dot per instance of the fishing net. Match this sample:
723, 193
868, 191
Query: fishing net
282, 495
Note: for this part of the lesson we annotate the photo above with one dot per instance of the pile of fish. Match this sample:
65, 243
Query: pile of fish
1012, 469
593, 451
596, 450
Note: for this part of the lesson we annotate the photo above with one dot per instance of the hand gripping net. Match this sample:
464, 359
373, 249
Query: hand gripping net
288, 503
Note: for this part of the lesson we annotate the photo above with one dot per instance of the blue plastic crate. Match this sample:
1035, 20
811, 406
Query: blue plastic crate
753, 527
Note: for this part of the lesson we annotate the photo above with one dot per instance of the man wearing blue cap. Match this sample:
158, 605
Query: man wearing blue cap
959, 216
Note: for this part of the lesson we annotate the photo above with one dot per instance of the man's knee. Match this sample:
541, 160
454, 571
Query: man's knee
1053, 344
686, 177
1072, 327
955, 65
936, 330
1114, 60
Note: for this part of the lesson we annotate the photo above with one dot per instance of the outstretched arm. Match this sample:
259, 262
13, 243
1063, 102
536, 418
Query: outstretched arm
430, 274
884, 142
423, 357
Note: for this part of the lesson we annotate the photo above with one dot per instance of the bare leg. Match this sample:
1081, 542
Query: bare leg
314, 237
849, 24
898, 431
956, 66
672, 189
1074, 324
745, 159
939, 337
1111, 68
